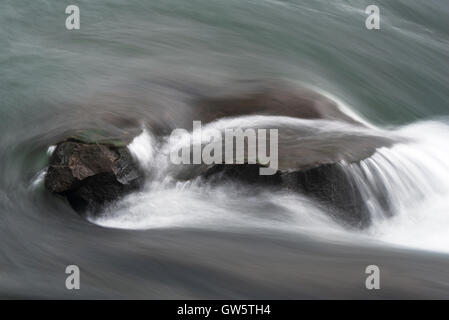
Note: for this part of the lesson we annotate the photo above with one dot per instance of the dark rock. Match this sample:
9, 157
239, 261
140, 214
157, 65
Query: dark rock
246, 173
292, 102
92, 176
309, 156
328, 184
301, 145
332, 187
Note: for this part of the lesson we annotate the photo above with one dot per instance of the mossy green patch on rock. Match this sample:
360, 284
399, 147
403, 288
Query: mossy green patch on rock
98, 136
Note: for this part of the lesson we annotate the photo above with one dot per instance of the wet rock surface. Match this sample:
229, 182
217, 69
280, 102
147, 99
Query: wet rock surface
290, 102
328, 185
91, 176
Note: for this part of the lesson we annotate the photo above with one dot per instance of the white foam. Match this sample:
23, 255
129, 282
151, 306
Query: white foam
413, 173
50, 150
192, 204
416, 177
142, 148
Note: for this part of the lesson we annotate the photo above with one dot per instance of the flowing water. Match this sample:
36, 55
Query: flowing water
134, 69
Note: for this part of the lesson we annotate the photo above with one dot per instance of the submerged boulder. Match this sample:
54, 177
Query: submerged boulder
92, 175
311, 153
329, 185
246, 173
336, 190
279, 100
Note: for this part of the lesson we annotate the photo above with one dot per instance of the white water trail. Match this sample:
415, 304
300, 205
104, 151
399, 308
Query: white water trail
166, 202
142, 148
406, 187
415, 177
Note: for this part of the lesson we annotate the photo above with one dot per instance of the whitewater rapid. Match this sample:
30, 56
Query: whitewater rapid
406, 187
416, 175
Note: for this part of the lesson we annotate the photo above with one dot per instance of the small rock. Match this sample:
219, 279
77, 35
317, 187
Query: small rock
91, 175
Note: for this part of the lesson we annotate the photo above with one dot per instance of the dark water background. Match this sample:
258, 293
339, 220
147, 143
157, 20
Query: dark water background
142, 61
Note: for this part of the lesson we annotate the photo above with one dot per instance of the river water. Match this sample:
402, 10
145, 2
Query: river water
134, 68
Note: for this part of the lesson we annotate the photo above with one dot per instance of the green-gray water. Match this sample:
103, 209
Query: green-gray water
140, 62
